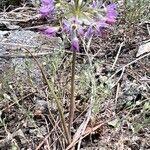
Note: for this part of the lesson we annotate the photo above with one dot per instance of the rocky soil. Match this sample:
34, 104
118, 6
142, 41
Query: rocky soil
29, 118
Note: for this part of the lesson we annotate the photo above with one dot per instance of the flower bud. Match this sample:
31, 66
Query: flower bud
75, 44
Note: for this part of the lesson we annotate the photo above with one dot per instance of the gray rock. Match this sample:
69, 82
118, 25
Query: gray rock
13, 54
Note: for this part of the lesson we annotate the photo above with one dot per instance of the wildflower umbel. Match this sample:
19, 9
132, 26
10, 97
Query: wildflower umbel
75, 23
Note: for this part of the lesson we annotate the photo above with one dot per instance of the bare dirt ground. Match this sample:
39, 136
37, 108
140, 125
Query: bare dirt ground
28, 116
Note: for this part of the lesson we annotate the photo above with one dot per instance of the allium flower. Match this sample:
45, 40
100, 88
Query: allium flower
101, 22
47, 8
49, 31
111, 13
81, 22
75, 44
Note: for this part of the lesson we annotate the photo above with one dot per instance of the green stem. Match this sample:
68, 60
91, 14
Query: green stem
77, 7
59, 107
72, 101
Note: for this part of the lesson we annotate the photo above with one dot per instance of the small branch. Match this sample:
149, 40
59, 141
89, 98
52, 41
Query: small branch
21, 20
37, 55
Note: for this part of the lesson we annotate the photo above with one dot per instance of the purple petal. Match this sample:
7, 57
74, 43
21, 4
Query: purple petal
102, 24
111, 7
47, 2
66, 26
94, 3
90, 32
47, 8
96, 29
111, 13
75, 44
49, 31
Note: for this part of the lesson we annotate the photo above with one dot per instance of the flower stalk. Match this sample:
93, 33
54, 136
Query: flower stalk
72, 100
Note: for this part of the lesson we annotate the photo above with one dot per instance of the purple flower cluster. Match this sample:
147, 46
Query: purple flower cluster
74, 27
96, 28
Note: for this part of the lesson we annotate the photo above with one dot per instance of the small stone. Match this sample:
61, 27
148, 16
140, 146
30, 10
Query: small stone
41, 107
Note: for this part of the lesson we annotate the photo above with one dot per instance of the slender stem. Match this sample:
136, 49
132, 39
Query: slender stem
72, 101
59, 107
77, 7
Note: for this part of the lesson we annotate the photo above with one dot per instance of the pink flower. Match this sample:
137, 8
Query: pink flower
111, 13
97, 28
50, 31
47, 8
75, 44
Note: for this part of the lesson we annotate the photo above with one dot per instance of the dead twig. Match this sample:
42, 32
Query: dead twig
72, 99
117, 55
22, 9
37, 55
123, 68
117, 93
47, 136
21, 20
